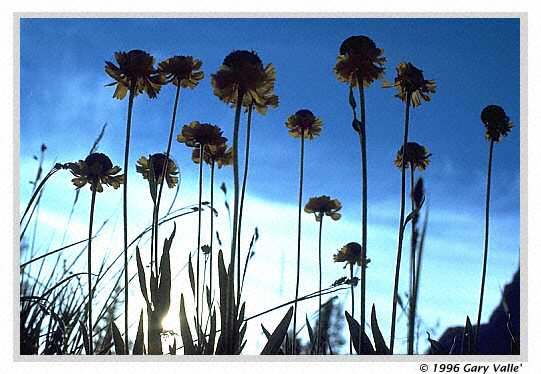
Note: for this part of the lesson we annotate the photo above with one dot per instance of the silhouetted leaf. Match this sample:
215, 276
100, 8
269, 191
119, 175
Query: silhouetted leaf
139, 345
468, 338
164, 289
141, 274
190, 273
435, 347
277, 337
173, 348
117, 339
86, 342
355, 333
186, 334
379, 341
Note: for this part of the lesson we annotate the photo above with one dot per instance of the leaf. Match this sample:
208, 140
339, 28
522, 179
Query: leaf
209, 301
173, 348
356, 124
139, 344
352, 102
379, 341
265, 331
355, 332
164, 289
85, 337
277, 337
186, 334
413, 213
310, 335
117, 338
467, 339
435, 347
141, 273
212, 334
190, 273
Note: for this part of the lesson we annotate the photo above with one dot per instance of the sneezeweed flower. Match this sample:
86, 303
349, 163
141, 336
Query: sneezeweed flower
243, 72
183, 71
416, 156
214, 154
304, 123
411, 81
323, 205
359, 60
157, 161
96, 169
351, 254
195, 134
135, 69
496, 121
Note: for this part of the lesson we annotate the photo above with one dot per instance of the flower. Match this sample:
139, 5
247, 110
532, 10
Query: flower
304, 123
416, 155
323, 205
182, 71
135, 67
497, 123
359, 59
157, 161
410, 80
195, 133
219, 154
351, 254
243, 71
96, 169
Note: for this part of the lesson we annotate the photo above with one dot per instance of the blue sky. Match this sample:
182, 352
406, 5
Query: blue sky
475, 62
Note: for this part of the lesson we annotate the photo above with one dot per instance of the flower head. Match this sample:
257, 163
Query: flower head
351, 253
96, 169
323, 205
195, 133
304, 123
157, 162
183, 71
217, 154
135, 68
243, 72
411, 81
359, 60
416, 155
497, 123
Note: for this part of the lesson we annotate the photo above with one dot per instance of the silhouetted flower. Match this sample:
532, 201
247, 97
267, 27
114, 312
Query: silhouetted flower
416, 155
219, 154
351, 253
359, 59
497, 123
304, 123
96, 169
410, 79
244, 71
323, 205
183, 71
157, 161
196, 133
134, 67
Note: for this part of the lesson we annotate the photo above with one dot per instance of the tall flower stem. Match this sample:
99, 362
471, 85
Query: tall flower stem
89, 264
198, 306
320, 281
411, 310
164, 171
301, 179
125, 210
243, 191
211, 223
400, 227
362, 136
352, 307
236, 195
485, 254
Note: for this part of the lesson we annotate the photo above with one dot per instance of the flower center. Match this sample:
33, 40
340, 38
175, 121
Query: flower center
98, 164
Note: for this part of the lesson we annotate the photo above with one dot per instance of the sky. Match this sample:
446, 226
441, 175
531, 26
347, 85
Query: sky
475, 62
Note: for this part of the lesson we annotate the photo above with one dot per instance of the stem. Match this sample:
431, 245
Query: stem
211, 223
125, 211
198, 309
89, 262
362, 136
411, 310
400, 228
485, 254
301, 178
243, 191
161, 178
320, 273
352, 307
37, 190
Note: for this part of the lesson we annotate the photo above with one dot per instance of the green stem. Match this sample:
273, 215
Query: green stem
198, 306
320, 284
243, 191
411, 310
125, 210
301, 178
401, 224
89, 264
362, 135
485, 254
